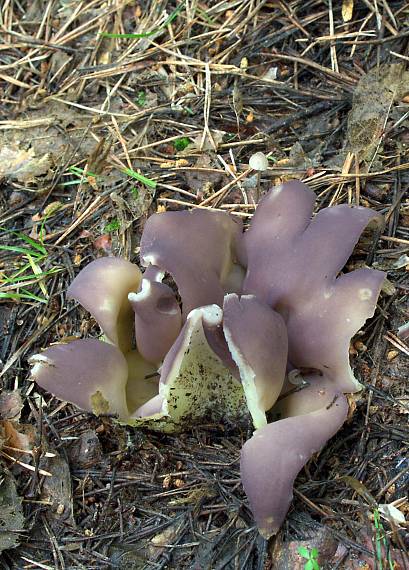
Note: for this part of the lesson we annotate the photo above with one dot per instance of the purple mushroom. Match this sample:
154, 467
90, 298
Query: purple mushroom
257, 340
102, 288
252, 306
272, 458
293, 265
158, 319
90, 373
199, 249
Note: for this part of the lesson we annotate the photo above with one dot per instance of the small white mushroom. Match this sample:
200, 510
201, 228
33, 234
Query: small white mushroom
259, 162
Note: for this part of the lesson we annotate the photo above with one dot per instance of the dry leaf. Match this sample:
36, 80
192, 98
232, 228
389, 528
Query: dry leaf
217, 137
287, 554
237, 99
347, 9
98, 156
203, 181
159, 541
392, 514
10, 405
57, 132
57, 490
11, 513
22, 165
20, 437
298, 158
371, 105
103, 242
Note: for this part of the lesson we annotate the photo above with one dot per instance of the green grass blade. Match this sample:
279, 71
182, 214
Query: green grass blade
80, 171
32, 242
174, 14
378, 545
130, 36
21, 278
140, 177
21, 271
35, 244
17, 249
20, 296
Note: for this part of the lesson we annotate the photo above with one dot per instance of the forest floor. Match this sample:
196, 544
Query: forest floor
112, 110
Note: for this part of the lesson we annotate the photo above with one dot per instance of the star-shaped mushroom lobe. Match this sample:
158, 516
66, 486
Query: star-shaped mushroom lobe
293, 265
89, 373
102, 288
272, 458
257, 339
198, 248
194, 382
158, 319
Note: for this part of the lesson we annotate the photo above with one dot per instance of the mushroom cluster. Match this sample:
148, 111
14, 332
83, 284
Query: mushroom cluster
261, 320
